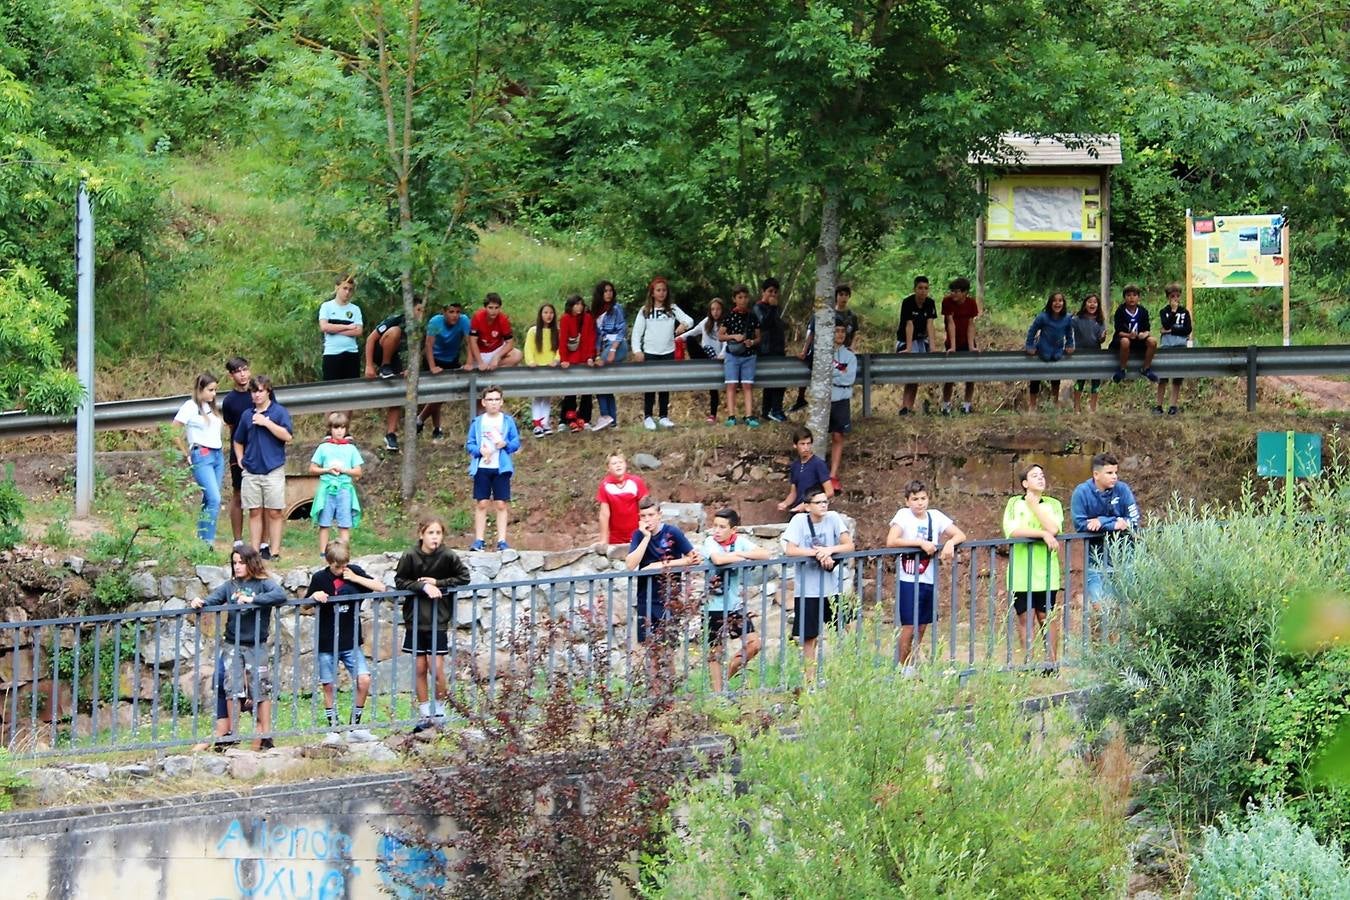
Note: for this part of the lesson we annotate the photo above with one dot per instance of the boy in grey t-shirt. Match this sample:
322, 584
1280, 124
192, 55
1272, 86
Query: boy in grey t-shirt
816, 535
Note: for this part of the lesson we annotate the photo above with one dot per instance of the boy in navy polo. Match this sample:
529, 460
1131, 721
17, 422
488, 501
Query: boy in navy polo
655, 549
805, 473
260, 446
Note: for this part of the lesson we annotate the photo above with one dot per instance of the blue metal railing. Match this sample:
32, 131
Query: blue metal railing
149, 679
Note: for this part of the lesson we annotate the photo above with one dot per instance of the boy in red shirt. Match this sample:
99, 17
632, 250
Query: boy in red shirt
618, 496
491, 343
959, 312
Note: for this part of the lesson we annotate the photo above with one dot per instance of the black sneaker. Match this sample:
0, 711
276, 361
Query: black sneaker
264, 551
437, 435
906, 411
1172, 410
1119, 376
1157, 410
387, 371
391, 442
420, 423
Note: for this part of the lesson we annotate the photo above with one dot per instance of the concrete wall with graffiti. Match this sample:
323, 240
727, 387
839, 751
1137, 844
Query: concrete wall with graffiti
334, 841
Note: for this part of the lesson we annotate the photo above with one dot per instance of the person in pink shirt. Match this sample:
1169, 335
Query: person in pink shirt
618, 496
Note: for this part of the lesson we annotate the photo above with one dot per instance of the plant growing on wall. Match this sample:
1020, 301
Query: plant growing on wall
565, 767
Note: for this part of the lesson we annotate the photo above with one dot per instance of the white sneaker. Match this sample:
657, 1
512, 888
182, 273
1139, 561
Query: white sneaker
602, 423
908, 672
665, 422
360, 736
649, 423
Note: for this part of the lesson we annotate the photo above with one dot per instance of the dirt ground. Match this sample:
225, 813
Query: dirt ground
969, 462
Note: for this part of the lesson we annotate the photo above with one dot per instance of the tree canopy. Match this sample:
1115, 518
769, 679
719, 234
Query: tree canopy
715, 140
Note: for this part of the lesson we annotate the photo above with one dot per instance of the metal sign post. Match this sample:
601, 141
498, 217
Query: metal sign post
1291, 455
84, 353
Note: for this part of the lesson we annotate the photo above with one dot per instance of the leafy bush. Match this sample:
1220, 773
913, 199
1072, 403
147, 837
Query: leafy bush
882, 794
1199, 671
1268, 857
11, 510
11, 782
113, 591
565, 769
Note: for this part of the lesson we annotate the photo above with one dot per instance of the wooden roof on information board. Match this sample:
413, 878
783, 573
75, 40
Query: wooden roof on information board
1024, 151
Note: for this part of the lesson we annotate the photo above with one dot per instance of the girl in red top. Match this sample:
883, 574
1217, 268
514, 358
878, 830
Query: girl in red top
576, 347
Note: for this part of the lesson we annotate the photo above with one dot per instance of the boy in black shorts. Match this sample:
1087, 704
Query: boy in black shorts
816, 536
384, 358
725, 617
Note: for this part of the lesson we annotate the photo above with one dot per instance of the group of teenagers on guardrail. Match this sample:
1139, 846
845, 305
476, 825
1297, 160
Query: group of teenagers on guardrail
661, 558
736, 333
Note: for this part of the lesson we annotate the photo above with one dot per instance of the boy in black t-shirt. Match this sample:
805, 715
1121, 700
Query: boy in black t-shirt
339, 627
1177, 326
384, 358
1131, 334
911, 335
233, 405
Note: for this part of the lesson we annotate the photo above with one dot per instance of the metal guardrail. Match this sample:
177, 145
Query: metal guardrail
881, 368
150, 680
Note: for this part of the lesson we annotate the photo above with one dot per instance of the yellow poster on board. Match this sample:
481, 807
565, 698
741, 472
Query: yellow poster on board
1045, 208
1237, 251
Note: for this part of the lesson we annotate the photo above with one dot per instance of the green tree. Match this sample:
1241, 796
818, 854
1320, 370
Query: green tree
782, 130
77, 115
1234, 109
399, 121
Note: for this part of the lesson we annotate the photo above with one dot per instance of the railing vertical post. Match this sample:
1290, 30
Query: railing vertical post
865, 363
1251, 378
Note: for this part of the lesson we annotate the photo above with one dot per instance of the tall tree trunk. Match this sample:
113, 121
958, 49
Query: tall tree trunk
400, 141
827, 274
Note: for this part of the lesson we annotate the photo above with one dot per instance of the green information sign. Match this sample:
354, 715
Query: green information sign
1274, 449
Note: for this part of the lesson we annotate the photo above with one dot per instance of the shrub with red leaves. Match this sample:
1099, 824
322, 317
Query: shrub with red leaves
567, 764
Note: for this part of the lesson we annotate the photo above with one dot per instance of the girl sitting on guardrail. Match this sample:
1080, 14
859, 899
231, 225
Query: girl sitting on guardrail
1050, 337
541, 349
611, 346
655, 330
1089, 333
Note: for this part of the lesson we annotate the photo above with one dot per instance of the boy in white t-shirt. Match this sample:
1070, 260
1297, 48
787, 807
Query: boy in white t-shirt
493, 437
934, 534
724, 611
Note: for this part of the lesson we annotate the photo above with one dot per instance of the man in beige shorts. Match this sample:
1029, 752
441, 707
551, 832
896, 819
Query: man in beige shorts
260, 446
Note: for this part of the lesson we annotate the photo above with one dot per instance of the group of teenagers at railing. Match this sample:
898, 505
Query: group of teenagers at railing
930, 582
